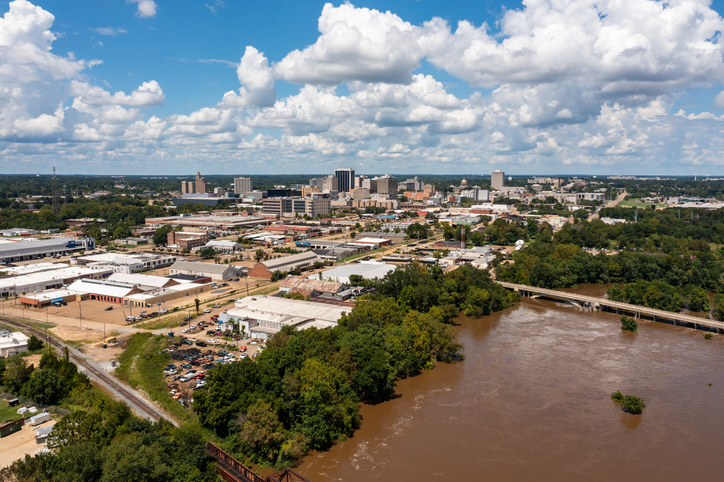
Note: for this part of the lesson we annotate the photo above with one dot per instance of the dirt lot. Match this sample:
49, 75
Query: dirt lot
74, 333
20, 443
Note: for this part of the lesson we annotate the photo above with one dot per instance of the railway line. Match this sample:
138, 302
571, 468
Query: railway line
115, 386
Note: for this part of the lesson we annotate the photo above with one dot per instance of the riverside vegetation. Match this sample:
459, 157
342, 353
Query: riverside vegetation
302, 392
668, 259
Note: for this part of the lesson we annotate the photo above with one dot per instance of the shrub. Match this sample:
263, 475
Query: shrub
617, 396
629, 324
633, 405
707, 336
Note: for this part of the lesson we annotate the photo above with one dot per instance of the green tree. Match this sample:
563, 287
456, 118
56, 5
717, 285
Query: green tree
699, 299
262, 431
35, 343
133, 459
16, 373
259, 254
633, 405
206, 253
629, 324
160, 237
719, 307
197, 302
45, 387
75, 427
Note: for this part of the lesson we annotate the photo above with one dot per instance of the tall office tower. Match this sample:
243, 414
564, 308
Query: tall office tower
497, 179
242, 185
345, 179
200, 183
329, 183
386, 185
187, 187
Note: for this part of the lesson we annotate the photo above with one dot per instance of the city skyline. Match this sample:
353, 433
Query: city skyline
535, 87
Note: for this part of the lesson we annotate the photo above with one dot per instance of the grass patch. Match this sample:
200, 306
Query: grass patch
8, 413
165, 322
141, 366
630, 203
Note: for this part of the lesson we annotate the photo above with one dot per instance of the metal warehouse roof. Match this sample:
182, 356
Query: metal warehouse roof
99, 287
200, 267
366, 270
258, 306
290, 260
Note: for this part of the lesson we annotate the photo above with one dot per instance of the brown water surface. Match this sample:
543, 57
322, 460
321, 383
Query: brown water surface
532, 401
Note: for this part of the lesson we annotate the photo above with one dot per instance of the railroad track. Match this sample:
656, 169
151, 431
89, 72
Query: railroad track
115, 386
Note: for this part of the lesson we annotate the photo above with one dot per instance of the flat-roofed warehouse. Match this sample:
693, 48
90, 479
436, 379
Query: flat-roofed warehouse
46, 280
211, 270
13, 344
265, 269
368, 270
263, 316
12, 250
209, 222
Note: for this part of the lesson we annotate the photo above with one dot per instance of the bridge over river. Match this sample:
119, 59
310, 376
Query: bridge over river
603, 304
231, 470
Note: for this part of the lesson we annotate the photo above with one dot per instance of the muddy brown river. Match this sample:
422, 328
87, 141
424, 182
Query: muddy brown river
532, 401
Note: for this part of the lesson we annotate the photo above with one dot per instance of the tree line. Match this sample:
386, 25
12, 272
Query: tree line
302, 392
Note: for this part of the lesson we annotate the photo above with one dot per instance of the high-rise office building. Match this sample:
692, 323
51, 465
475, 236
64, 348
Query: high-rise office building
386, 184
497, 179
200, 183
242, 185
345, 179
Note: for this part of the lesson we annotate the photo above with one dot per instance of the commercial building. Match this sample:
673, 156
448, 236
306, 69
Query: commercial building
203, 223
497, 179
188, 241
263, 316
386, 185
311, 287
199, 186
18, 232
22, 249
47, 280
46, 298
242, 185
218, 272
104, 290
124, 263
285, 206
366, 269
148, 299
345, 179
224, 245
265, 269
14, 343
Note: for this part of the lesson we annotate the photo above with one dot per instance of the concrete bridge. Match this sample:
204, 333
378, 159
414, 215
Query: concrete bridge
594, 303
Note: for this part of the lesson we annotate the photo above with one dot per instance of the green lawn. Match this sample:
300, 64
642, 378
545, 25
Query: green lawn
8, 413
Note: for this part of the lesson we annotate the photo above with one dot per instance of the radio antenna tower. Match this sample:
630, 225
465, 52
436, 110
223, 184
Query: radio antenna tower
56, 195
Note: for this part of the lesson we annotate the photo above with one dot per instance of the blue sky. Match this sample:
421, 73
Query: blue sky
541, 86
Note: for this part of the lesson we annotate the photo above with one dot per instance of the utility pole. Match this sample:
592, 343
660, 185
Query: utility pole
56, 194
80, 315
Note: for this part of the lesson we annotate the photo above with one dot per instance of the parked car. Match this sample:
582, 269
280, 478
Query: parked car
207, 310
200, 343
216, 305
110, 308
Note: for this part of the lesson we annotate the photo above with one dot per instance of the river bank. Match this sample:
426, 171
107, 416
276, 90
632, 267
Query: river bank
532, 401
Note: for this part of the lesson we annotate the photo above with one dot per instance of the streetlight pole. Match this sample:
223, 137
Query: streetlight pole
80, 315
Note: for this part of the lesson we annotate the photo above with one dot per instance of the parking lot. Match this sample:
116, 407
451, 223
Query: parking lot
193, 358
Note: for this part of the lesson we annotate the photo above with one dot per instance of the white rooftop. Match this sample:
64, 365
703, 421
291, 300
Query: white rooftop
13, 339
32, 268
271, 307
139, 279
366, 270
98, 287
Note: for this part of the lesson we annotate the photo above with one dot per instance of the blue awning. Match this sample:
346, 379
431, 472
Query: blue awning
56, 300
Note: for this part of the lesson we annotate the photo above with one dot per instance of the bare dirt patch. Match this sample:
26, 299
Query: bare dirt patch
20, 443
74, 333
